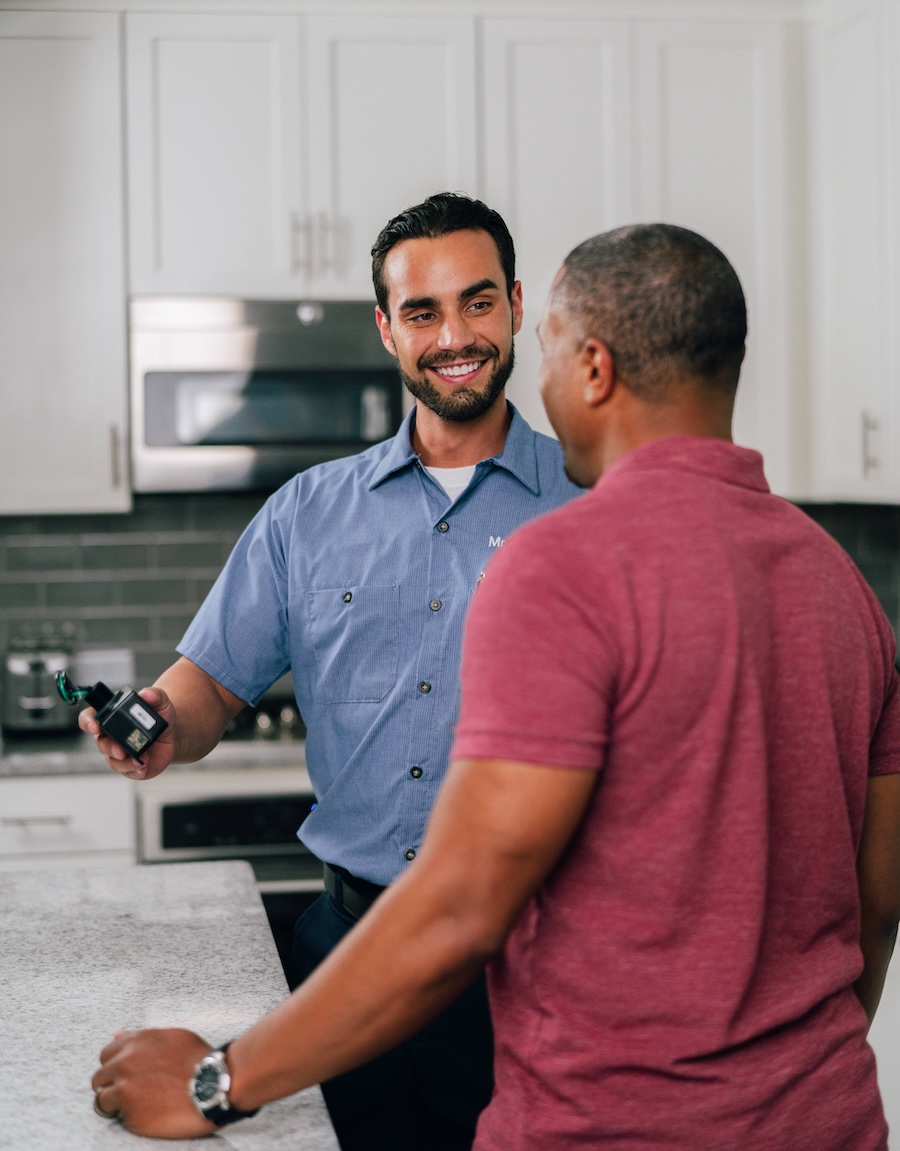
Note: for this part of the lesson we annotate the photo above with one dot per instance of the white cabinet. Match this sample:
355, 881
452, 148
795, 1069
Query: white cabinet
266, 152
62, 292
393, 120
214, 180
713, 134
856, 415
703, 144
558, 138
46, 820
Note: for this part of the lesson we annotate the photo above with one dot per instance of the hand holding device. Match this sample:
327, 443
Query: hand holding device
127, 719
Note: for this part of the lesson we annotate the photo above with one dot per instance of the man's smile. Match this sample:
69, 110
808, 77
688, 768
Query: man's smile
460, 371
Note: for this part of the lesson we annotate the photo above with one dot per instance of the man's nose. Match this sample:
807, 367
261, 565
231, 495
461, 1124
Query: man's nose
455, 331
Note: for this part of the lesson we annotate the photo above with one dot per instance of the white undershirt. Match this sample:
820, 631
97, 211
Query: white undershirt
454, 481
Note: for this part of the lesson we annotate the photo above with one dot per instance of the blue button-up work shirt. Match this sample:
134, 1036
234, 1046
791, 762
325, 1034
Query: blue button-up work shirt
356, 575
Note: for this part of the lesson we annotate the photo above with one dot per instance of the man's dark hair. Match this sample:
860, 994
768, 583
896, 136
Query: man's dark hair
661, 298
439, 215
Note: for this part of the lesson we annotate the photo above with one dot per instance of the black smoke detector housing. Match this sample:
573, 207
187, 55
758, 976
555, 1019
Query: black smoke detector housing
127, 719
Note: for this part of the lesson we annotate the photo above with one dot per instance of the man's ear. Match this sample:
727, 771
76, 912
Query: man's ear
384, 330
515, 300
599, 372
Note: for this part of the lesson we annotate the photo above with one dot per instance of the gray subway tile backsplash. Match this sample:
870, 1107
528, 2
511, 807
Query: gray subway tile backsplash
123, 580
136, 580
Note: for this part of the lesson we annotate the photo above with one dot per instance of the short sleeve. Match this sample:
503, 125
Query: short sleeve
538, 670
240, 635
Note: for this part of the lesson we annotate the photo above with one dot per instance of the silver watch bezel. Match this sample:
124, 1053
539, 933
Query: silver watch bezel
215, 1059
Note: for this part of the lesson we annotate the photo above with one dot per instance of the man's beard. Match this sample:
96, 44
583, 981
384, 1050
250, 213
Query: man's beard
464, 403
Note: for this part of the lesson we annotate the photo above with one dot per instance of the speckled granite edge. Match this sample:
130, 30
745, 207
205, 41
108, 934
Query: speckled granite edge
87, 950
77, 755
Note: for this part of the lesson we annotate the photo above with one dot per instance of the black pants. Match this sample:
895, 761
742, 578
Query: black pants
426, 1094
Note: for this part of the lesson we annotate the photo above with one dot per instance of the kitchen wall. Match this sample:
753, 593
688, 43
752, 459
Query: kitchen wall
136, 580
122, 580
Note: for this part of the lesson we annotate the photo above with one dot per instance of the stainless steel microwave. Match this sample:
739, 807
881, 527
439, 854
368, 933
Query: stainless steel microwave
230, 394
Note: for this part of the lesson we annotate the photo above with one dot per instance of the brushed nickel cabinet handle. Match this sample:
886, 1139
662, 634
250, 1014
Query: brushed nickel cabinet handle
870, 461
302, 238
114, 456
327, 238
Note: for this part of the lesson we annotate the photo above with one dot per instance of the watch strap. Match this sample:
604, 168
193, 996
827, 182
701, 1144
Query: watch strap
223, 1114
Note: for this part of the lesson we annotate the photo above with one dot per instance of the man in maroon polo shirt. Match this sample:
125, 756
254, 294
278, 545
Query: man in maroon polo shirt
672, 826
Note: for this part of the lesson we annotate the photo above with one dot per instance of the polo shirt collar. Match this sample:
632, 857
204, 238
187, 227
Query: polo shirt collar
519, 455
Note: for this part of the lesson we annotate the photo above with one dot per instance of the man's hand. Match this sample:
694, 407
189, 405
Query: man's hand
143, 1081
156, 759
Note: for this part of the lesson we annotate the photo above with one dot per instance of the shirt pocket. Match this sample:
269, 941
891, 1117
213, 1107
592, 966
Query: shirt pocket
355, 635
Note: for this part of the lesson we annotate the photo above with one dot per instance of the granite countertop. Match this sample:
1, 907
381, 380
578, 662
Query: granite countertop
87, 950
76, 754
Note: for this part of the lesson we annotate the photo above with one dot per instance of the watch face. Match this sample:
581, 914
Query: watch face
206, 1083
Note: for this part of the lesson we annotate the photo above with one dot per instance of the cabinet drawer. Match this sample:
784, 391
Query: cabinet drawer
69, 814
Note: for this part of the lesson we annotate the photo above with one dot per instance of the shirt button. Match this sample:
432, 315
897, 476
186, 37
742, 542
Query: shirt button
415, 772
435, 605
348, 596
409, 854
443, 526
424, 687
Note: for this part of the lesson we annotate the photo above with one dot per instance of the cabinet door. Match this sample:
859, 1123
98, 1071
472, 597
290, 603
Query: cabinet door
855, 411
557, 132
214, 146
76, 816
392, 120
714, 134
62, 307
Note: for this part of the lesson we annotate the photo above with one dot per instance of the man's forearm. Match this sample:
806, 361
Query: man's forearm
204, 709
496, 831
415, 964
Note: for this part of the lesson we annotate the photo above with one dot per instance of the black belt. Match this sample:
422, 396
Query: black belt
355, 896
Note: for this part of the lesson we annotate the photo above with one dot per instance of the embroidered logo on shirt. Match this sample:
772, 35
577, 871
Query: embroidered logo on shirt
495, 541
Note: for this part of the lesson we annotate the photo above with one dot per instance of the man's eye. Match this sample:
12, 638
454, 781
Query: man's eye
421, 317
480, 305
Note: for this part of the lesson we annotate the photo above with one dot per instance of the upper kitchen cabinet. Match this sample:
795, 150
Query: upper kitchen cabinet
214, 159
557, 131
62, 293
392, 120
715, 127
266, 152
856, 345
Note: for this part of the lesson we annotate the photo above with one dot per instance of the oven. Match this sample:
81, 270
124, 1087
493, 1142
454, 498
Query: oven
229, 393
199, 812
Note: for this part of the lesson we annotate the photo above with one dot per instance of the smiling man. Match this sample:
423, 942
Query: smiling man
356, 576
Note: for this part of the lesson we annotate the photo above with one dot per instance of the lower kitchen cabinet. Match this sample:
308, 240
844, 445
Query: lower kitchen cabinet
49, 821
62, 291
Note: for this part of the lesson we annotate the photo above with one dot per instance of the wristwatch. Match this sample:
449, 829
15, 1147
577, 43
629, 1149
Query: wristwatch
209, 1090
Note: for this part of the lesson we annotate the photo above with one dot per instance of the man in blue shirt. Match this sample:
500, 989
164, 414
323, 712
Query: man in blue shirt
356, 576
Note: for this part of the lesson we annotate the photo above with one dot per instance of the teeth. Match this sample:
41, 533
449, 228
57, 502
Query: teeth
458, 369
